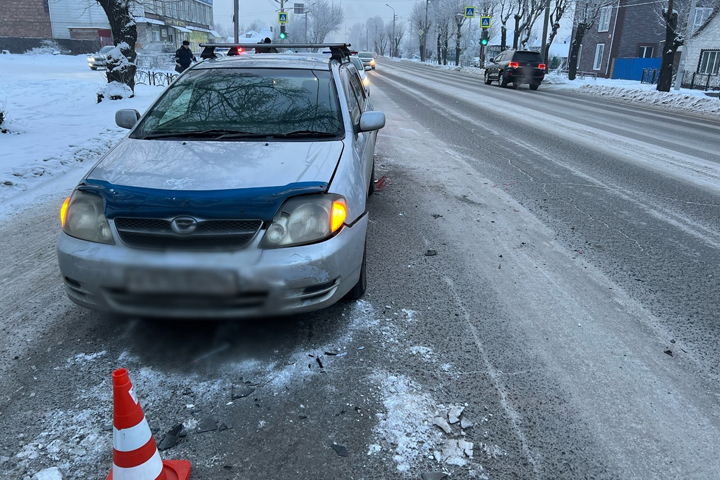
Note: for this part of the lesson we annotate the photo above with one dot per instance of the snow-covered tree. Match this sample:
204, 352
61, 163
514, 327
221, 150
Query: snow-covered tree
324, 19
121, 60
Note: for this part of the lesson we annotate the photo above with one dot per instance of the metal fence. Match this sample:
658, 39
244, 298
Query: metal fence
155, 61
650, 75
149, 77
701, 81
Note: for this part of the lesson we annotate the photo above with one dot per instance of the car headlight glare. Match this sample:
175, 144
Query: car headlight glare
83, 217
306, 219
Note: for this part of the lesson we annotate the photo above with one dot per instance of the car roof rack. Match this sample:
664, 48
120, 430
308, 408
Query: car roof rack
338, 51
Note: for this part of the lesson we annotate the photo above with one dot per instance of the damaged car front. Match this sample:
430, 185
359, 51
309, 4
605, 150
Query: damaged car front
241, 192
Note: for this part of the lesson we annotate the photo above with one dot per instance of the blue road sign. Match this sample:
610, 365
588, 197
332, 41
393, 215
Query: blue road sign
469, 12
282, 17
485, 22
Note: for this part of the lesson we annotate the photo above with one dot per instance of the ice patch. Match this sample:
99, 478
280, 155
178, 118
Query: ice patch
84, 358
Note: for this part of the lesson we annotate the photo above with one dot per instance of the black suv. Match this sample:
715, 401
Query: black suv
516, 67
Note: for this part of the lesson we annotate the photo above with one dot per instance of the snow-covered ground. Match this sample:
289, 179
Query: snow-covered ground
54, 125
623, 90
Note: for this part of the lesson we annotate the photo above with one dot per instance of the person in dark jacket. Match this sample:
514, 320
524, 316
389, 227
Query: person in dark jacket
266, 49
184, 57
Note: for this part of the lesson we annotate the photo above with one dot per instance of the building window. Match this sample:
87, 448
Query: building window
709, 62
599, 51
645, 52
701, 14
604, 23
577, 64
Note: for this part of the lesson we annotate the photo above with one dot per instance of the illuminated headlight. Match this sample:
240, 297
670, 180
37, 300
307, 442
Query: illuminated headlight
366, 81
306, 219
372, 62
83, 217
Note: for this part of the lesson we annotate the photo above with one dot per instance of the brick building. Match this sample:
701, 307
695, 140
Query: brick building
81, 26
24, 19
626, 29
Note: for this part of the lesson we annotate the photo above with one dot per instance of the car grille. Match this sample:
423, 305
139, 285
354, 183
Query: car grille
152, 233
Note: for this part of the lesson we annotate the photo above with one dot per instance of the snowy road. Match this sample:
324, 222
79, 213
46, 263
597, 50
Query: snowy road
569, 260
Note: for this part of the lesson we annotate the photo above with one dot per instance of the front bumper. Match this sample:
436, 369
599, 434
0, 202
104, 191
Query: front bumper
264, 282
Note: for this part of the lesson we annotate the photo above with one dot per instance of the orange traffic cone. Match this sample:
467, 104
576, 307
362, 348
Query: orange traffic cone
135, 455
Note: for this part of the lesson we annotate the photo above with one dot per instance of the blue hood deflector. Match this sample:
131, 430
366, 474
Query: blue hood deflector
245, 203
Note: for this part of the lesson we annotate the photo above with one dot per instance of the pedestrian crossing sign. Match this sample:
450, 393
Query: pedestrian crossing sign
469, 12
484, 22
282, 17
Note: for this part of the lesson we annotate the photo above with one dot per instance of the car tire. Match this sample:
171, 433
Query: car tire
487, 78
371, 188
502, 81
357, 292
534, 86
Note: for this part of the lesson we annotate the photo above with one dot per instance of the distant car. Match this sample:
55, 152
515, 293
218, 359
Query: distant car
361, 71
157, 47
99, 59
368, 59
516, 67
242, 192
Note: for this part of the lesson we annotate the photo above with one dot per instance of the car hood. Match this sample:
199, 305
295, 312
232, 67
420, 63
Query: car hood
221, 165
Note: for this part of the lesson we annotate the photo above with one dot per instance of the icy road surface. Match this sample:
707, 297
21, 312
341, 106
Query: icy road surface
575, 245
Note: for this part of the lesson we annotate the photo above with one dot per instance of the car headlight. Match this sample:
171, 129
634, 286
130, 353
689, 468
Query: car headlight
83, 216
372, 62
306, 219
366, 81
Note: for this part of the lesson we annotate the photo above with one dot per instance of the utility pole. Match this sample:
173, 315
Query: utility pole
545, 32
689, 30
375, 39
459, 20
392, 45
236, 21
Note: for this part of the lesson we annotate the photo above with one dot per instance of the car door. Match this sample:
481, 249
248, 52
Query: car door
497, 64
363, 142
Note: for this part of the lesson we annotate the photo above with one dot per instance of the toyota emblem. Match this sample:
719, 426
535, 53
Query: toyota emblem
184, 225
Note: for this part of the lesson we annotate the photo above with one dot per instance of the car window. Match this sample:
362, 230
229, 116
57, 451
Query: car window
357, 88
351, 97
249, 100
365, 55
357, 62
527, 57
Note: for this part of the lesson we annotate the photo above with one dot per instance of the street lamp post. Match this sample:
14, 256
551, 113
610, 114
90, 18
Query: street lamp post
392, 45
367, 38
459, 20
423, 40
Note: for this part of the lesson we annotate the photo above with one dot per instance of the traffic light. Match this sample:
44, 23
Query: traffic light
485, 37
283, 35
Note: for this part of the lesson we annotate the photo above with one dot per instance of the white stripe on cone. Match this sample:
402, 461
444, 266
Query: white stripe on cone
129, 439
149, 470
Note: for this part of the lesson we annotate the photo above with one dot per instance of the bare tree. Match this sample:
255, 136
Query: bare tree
121, 63
556, 13
506, 9
587, 12
326, 18
399, 33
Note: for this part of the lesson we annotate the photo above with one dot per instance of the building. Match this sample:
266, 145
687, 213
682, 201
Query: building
81, 26
702, 56
626, 38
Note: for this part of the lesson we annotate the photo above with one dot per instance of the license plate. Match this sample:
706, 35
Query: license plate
182, 281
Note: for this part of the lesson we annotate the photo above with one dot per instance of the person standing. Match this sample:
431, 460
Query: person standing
184, 57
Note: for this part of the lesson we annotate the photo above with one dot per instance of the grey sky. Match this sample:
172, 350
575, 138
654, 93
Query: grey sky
356, 11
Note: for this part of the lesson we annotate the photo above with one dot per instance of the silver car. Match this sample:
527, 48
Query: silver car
99, 59
242, 191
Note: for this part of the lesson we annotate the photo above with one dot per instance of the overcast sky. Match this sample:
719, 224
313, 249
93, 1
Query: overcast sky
356, 11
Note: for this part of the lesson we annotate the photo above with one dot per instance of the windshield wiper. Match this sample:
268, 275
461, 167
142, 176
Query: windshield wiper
215, 133
311, 133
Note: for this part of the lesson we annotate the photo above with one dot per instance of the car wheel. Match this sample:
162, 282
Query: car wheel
534, 86
487, 78
371, 188
357, 292
502, 81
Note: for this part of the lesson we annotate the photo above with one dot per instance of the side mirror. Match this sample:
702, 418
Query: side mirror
371, 121
367, 68
127, 118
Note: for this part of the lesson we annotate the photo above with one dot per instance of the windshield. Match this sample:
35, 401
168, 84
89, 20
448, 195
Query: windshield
244, 103
365, 55
527, 57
